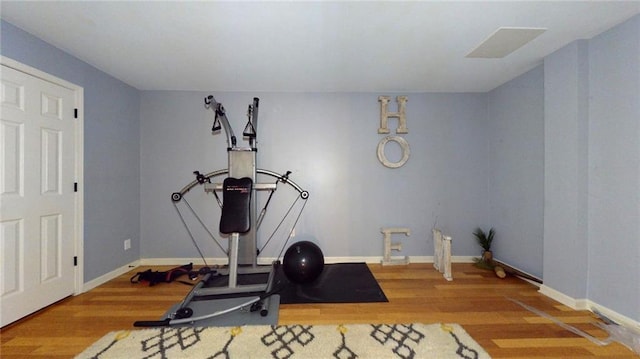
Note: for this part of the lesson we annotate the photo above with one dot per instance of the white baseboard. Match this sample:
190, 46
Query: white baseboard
577, 304
181, 261
586, 304
462, 259
269, 260
613, 315
87, 286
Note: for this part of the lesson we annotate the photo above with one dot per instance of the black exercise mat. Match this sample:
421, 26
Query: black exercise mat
338, 283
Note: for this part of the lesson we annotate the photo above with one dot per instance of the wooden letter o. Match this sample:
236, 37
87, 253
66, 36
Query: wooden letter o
405, 151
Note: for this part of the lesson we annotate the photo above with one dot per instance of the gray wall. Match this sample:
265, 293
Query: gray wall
581, 205
329, 143
566, 158
111, 150
614, 169
564, 170
592, 169
516, 170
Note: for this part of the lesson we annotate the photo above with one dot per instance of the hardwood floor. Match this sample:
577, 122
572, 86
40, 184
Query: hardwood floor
476, 299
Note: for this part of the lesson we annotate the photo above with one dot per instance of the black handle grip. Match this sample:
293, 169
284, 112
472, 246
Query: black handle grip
152, 323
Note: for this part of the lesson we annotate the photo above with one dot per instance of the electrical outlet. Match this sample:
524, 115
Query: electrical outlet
127, 244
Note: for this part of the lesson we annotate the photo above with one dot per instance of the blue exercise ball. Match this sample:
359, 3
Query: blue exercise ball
303, 262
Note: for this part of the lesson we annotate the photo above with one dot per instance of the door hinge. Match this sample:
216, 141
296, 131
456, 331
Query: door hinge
75, 261
75, 113
75, 187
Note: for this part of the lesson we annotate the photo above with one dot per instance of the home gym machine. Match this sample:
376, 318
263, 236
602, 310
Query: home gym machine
240, 221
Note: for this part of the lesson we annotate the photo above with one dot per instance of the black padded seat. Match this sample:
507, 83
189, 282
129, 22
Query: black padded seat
236, 203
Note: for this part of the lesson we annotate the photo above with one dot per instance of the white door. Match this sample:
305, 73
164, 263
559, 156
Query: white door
38, 172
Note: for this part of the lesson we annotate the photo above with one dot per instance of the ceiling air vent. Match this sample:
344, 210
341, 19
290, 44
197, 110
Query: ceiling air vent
504, 41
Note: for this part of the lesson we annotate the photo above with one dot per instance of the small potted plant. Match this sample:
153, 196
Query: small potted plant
484, 240
486, 262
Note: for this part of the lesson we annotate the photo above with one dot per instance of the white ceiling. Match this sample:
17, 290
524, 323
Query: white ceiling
303, 46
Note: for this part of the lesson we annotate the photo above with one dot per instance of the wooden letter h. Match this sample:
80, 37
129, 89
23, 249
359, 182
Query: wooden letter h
400, 115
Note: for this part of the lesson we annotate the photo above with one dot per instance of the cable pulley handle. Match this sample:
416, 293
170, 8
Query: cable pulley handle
221, 114
250, 130
216, 121
216, 125
220, 119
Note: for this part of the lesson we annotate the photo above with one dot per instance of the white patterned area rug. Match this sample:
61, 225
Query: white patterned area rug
290, 341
